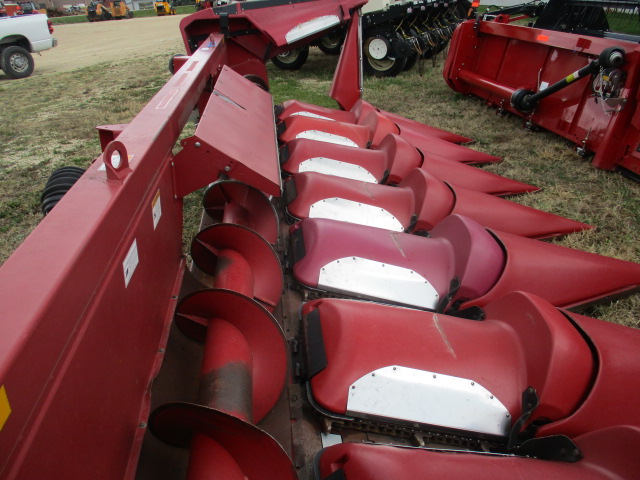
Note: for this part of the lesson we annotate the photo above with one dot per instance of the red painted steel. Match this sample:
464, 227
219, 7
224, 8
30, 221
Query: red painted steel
88, 298
608, 454
242, 147
390, 162
234, 202
538, 347
346, 87
108, 254
243, 374
373, 128
565, 277
362, 107
457, 248
615, 384
421, 201
254, 36
394, 158
242, 257
492, 60
259, 352
227, 443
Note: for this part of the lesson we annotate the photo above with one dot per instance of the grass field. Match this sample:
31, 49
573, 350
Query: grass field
57, 127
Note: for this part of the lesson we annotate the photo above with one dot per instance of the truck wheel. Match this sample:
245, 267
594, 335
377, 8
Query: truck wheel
376, 59
331, 43
16, 62
293, 59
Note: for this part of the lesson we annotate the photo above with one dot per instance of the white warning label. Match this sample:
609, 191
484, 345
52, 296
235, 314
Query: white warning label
130, 263
156, 209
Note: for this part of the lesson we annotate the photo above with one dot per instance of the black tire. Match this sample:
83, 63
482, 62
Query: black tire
58, 184
293, 59
258, 81
331, 44
172, 69
16, 62
411, 60
377, 60
462, 10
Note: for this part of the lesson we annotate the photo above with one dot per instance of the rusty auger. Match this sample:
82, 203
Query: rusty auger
244, 367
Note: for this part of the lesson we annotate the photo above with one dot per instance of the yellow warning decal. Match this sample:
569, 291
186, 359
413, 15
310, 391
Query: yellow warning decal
570, 78
5, 408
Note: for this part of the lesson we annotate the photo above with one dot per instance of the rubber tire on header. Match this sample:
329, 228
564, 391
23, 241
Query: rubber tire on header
58, 184
172, 69
293, 59
331, 43
8, 58
382, 67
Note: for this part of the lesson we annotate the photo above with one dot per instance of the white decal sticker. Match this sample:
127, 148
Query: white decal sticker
156, 209
130, 263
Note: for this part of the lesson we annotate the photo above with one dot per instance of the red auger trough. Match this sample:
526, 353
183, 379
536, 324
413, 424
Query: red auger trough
361, 303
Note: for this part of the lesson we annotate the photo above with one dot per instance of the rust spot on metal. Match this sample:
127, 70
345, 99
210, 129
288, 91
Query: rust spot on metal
230, 389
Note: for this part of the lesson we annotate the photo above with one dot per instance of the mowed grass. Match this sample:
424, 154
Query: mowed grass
57, 127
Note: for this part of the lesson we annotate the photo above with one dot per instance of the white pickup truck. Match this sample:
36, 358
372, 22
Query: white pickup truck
20, 36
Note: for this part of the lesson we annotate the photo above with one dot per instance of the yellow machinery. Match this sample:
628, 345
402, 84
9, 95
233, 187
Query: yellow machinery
164, 8
119, 9
99, 10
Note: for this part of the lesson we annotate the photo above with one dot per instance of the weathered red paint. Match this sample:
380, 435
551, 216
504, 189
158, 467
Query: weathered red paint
493, 59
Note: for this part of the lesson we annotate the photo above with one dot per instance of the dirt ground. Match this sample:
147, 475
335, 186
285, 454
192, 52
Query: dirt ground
85, 44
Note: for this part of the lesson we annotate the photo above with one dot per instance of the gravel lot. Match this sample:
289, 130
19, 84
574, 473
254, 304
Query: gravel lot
85, 44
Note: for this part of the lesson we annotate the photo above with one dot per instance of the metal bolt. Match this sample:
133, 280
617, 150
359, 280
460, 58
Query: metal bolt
161, 350
473, 383
142, 425
227, 168
197, 144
